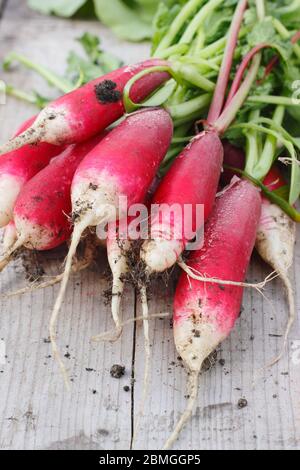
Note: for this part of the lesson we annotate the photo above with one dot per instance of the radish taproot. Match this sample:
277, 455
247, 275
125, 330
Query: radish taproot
42, 210
205, 313
122, 166
10, 236
18, 167
85, 112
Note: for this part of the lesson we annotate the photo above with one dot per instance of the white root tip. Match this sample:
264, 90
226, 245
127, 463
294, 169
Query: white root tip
33, 135
114, 335
78, 231
187, 414
7, 256
160, 255
292, 315
145, 312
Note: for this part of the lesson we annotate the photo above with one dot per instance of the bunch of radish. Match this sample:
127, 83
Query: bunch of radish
68, 169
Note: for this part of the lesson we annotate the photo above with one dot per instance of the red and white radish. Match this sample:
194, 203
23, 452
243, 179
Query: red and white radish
276, 234
41, 213
87, 111
192, 180
195, 174
205, 313
275, 242
18, 167
122, 166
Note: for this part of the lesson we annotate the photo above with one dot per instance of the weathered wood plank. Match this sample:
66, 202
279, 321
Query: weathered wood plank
35, 410
271, 419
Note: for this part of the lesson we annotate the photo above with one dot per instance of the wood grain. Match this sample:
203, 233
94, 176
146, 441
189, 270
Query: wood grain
35, 410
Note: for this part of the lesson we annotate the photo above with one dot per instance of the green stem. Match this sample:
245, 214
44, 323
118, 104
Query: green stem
288, 9
173, 50
129, 105
52, 78
190, 74
271, 195
285, 34
267, 157
213, 49
189, 118
252, 150
188, 9
198, 21
237, 101
260, 9
20, 94
187, 108
277, 100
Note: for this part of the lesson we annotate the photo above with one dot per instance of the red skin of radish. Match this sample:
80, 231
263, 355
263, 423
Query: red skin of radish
42, 208
89, 116
124, 163
87, 111
18, 167
193, 179
205, 313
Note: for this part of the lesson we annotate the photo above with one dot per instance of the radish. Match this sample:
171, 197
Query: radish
41, 213
123, 165
275, 242
276, 235
85, 112
205, 313
18, 167
194, 177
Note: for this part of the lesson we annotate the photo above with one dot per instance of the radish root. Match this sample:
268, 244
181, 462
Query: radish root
76, 268
78, 231
186, 416
292, 315
102, 336
33, 135
195, 274
145, 312
6, 258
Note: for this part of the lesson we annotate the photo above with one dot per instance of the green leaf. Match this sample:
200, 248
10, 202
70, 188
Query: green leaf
125, 22
263, 32
65, 8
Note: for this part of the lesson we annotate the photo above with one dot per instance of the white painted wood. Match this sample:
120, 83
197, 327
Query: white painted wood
35, 410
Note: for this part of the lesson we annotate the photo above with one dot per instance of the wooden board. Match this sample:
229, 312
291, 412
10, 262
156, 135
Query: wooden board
36, 412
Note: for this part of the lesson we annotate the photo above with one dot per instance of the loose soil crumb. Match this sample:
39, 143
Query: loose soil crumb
117, 371
210, 362
106, 92
242, 403
33, 269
